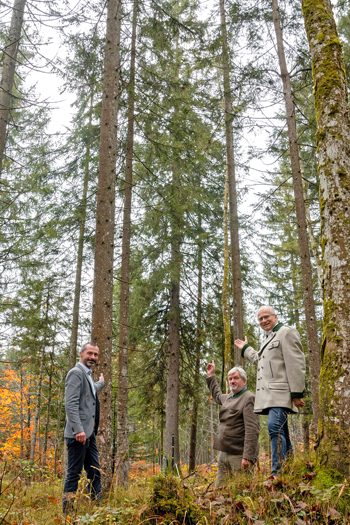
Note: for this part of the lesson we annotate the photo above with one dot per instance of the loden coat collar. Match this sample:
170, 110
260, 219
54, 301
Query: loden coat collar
270, 337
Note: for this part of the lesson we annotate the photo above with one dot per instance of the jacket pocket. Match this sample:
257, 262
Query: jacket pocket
271, 368
278, 386
82, 417
274, 344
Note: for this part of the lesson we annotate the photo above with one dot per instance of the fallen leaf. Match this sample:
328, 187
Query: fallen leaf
300, 522
334, 514
300, 505
51, 499
309, 475
217, 502
285, 521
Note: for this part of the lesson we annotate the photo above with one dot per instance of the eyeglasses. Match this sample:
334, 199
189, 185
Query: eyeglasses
264, 317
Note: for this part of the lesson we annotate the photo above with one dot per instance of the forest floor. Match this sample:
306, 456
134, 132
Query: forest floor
302, 496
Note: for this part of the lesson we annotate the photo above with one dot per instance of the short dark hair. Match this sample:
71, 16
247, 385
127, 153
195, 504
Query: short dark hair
83, 348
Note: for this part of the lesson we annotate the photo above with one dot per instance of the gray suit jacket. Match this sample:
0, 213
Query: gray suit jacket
281, 369
80, 403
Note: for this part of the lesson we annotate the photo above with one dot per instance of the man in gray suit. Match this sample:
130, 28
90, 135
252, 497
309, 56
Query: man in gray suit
280, 380
82, 418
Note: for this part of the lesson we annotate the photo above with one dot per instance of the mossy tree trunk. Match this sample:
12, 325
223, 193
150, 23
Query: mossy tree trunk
102, 303
333, 145
231, 171
123, 382
305, 261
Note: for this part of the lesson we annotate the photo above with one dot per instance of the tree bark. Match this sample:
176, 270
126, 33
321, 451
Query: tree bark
47, 423
122, 416
21, 409
8, 70
172, 386
225, 290
333, 146
212, 430
194, 419
173, 364
102, 307
314, 246
306, 270
39, 384
231, 171
82, 218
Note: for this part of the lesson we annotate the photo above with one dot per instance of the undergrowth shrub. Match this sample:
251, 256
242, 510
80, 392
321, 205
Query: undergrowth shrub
173, 501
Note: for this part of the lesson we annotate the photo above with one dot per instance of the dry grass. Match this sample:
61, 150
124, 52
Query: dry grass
300, 497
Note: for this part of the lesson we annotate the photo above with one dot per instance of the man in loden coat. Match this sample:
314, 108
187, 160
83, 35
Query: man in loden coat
82, 419
280, 381
237, 437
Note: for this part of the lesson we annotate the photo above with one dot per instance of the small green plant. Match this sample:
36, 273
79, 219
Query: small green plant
169, 498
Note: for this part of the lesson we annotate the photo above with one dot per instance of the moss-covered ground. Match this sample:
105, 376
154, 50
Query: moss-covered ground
302, 496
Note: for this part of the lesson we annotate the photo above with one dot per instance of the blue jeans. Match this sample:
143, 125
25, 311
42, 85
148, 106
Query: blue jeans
281, 446
80, 456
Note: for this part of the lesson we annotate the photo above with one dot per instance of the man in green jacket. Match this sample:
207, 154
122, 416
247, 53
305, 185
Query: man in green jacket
237, 437
280, 380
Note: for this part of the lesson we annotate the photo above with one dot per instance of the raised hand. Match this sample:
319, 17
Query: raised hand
211, 369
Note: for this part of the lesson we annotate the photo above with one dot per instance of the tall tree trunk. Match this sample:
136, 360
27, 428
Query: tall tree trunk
333, 146
306, 270
58, 431
314, 246
225, 290
194, 419
231, 171
21, 415
8, 70
102, 307
122, 416
172, 386
173, 364
47, 423
212, 431
82, 218
39, 383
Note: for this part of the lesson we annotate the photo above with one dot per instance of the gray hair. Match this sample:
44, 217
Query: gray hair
90, 343
240, 370
272, 310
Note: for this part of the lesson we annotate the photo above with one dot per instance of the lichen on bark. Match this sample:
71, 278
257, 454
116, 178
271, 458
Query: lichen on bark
333, 146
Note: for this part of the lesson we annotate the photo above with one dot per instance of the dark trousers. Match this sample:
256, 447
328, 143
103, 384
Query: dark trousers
80, 456
281, 446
